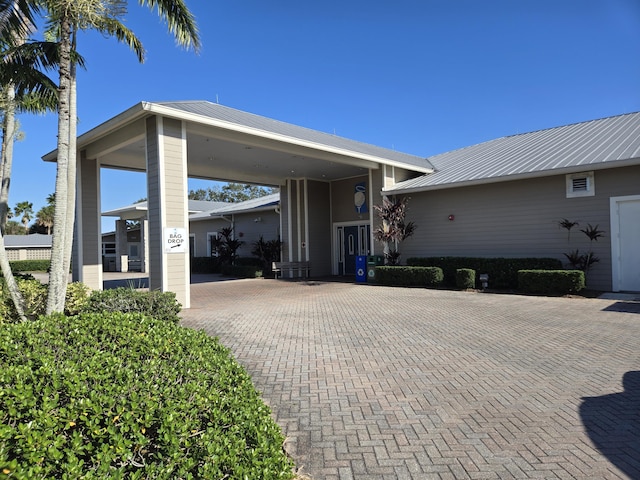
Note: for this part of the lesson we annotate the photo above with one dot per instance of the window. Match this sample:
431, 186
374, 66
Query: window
580, 185
108, 249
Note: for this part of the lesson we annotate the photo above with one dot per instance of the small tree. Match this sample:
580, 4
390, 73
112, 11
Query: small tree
268, 251
577, 259
225, 246
24, 210
393, 229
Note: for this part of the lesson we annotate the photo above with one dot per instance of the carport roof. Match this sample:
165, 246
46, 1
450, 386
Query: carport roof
596, 144
228, 144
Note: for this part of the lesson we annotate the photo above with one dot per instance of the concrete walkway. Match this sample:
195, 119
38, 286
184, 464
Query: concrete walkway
372, 382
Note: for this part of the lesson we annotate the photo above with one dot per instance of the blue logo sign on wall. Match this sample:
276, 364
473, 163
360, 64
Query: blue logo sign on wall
360, 197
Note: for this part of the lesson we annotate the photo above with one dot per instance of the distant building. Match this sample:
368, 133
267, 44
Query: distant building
28, 247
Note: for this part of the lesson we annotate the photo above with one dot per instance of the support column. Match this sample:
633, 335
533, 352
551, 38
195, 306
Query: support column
167, 207
87, 244
144, 244
121, 244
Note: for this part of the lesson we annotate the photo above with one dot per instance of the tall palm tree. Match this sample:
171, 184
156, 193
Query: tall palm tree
69, 17
24, 88
44, 216
24, 209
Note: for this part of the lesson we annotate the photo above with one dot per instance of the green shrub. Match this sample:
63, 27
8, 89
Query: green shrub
205, 265
34, 294
248, 262
30, 265
503, 272
156, 304
465, 278
551, 282
76, 299
126, 396
409, 276
242, 271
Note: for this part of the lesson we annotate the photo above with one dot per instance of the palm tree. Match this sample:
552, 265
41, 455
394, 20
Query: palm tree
24, 88
44, 217
68, 17
24, 209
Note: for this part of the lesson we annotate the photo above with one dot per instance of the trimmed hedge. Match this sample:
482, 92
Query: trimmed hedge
503, 272
465, 278
205, 265
159, 305
242, 271
126, 396
551, 282
30, 265
409, 276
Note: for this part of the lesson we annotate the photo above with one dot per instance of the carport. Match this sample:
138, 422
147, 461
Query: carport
173, 141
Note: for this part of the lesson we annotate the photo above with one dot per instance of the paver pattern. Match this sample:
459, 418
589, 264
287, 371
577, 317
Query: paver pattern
373, 382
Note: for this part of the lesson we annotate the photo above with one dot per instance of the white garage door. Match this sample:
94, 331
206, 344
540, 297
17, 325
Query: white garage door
625, 243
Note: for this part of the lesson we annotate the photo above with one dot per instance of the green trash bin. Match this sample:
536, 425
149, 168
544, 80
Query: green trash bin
372, 262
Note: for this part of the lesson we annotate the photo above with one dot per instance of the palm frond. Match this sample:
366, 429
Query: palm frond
114, 28
180, 21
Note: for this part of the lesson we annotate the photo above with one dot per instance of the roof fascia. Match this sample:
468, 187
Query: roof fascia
214, 122
522, 176
114, 123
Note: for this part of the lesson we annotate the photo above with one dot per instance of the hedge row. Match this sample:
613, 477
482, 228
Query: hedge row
551, 282
119, 395
160, 305
503, 272
409, 276
29, 265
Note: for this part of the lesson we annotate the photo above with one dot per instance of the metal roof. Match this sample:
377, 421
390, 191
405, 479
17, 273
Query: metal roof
255, 204
139, 209
244, 119
35, 240
592, 145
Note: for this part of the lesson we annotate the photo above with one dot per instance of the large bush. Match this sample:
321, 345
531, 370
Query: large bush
551, 282
34, 294
117, 395
30, 265
503, 272
409, 276
156, 304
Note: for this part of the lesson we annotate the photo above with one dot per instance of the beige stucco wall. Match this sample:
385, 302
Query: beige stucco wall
28, 254
518, 219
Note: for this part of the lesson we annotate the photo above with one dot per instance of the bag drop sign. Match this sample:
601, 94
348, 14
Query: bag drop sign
175, 240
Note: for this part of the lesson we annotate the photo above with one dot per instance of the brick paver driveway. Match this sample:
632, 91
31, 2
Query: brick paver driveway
371, 382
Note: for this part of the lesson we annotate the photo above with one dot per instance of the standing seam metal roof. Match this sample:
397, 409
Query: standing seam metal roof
591, 144
245, 119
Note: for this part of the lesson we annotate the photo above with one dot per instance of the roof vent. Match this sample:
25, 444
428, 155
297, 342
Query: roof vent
580, 185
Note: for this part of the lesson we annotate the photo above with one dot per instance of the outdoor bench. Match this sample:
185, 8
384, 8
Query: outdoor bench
293, 267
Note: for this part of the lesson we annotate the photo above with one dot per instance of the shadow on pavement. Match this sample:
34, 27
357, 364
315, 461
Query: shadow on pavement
613, 424
625, 307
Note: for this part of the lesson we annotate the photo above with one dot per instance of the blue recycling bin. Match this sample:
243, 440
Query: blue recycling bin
361, 269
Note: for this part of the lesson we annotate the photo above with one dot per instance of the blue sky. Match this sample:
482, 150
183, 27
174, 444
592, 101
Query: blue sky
419, 76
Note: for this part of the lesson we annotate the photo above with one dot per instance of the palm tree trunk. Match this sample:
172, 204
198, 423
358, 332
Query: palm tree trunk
8, 134
14, 291
72, 170
58, 275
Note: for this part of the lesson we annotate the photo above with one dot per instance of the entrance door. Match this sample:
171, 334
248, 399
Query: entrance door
625, 246
352, 240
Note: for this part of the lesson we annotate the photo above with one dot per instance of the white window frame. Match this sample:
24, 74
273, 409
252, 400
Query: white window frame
589, 178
